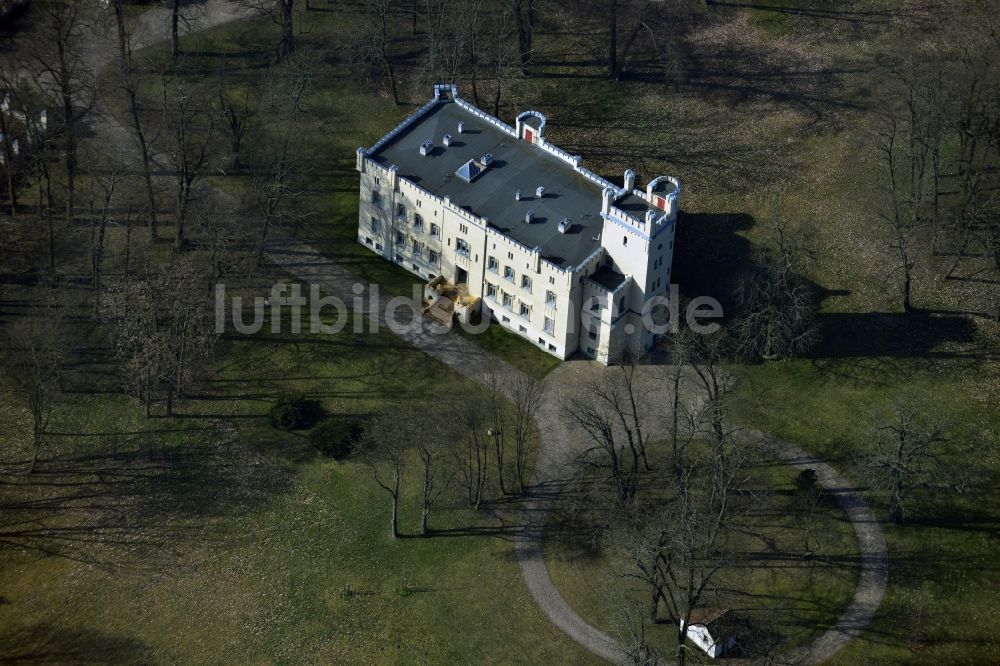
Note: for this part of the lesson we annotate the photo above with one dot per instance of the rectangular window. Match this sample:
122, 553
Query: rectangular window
508, 301
464, 228
462, 247
593, 335
375, 198
508, 273
417, 250
435, 232
525, 310
375, 225
492, 265
550, 299
401, 211
432, 256
550, 326
418, 222
400, 239
522, 329
526, 283
491, 290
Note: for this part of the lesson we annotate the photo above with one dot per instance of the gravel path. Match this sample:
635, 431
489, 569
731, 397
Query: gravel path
559, 445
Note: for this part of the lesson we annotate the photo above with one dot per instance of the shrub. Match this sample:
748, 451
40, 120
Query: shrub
295, 413
336, 437
806, 480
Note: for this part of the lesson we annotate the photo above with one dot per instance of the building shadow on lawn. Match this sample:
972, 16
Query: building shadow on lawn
711, 257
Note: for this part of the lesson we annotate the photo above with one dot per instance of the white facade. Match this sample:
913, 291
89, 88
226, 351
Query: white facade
560, 308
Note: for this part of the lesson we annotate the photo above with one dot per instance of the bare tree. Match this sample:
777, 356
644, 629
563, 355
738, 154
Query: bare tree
101, 199
63, 77
473, 444
381, 43
496, 415
679, 548
434, 445
502, 58
525, 393
383, 450
525, 17
903, 454
282, 12
612, 411
191, 130
37, 353
237, 115
276, 167
777, 307
162, 329
130, 85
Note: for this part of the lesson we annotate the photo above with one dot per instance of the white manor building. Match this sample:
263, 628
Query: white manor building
501, 221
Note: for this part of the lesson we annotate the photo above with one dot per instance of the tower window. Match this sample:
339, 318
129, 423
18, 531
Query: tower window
624, 240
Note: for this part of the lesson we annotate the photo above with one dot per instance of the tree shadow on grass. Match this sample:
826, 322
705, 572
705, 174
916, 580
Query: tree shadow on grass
132, 503
51, 644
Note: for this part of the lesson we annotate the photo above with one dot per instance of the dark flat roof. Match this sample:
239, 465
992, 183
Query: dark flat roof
607, 277
517, 165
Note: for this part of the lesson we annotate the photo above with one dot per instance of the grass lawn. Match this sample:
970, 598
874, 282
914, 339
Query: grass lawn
943, 561
211, 537
774, 586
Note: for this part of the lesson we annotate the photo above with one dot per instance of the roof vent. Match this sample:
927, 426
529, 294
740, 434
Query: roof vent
529, 217
517, 195
446, 140
426, 147
540, 192
461, 127
487, 159
563, 225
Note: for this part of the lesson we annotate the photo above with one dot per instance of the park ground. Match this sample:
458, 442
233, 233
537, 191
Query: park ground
213, 527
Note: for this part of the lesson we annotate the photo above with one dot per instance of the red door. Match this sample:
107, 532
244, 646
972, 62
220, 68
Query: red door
528, 135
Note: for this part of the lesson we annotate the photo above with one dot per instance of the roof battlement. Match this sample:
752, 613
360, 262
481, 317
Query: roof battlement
515, 180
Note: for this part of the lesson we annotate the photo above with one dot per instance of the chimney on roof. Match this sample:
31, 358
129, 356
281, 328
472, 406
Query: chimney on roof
563, 225
446, 140
529, 217
426, 147
517, 195
629, 180
461, 127
487, 159
540, 192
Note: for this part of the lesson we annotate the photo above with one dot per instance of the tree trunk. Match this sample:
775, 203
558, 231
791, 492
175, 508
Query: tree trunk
394, 519
613, 39
36, 442
287, 44
175, 11
70, 147
907, 306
